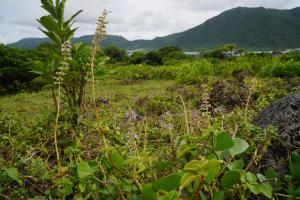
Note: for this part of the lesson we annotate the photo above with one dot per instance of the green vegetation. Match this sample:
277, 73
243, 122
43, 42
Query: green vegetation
165, 135
137, 57
115, 54
155, 125
15, 67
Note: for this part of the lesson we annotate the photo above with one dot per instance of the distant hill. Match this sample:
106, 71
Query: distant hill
34, 42
254, 28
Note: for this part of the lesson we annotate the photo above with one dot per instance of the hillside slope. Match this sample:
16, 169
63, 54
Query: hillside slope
254, 28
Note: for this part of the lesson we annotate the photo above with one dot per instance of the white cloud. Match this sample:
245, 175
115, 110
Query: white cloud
2, 40
134, 19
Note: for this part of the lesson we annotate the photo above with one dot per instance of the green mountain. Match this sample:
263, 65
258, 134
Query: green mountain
254, 28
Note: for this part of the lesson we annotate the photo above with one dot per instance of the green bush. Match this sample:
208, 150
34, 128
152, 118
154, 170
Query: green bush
286, 69
145, 72
115, 54
137, 57
194, 72
292, 56
171, 55
153, 58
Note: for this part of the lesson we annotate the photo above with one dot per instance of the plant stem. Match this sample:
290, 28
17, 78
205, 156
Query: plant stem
286, 196
56, 126
185, 116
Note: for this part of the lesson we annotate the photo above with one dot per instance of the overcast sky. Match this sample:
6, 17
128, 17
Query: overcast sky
133, 19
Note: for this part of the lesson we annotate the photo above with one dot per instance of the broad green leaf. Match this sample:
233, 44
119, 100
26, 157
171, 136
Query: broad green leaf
117, 158
294, 166
148, 193
211, 168
13, 173
240, 146
223, 154
168, 183
184, 149
173, 195
254, 188
133, 160
294, 192
275, 180
194, 165
69, 34
229, 179
60, 12
271, 173
82, 185
67, 23
84, 170
261, 178
219, 195
266, 189
251, 178
223, 142
237, 164
48, 6
50, 24
162, 165
52, 36
211, 157
187, 179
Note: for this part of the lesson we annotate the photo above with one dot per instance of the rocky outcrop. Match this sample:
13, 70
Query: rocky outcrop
285, 116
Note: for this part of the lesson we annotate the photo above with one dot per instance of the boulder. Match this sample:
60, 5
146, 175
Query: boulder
285, 116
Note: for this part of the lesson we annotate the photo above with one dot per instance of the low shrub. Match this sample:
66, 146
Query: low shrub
194, 72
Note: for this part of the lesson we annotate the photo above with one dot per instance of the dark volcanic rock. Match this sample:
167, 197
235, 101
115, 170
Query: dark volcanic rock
285, 116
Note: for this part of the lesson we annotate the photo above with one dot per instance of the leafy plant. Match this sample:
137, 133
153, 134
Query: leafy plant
56, 27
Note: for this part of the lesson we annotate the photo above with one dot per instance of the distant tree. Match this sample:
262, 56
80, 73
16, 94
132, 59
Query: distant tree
221, 51
153, 58
137, 57
229, 47
171, 54
115, 54
241, 50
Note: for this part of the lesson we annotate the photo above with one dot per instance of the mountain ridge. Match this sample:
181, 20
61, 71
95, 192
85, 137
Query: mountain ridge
252, 28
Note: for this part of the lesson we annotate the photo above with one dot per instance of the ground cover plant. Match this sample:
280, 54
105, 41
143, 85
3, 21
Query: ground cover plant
171, 128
